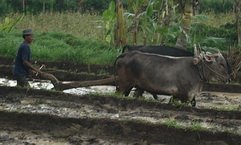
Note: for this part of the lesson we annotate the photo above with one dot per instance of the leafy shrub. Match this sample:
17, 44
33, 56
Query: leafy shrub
221, 37
218, 6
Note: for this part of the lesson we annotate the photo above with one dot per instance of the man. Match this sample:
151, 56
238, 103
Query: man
22, 66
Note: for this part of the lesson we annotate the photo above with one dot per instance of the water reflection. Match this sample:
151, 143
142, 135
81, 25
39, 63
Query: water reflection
45, 84
92, 89
35, 84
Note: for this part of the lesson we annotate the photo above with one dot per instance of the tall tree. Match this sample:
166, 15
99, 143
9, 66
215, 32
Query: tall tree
195, 4
186, 24
52, 5
44, 6
23, 4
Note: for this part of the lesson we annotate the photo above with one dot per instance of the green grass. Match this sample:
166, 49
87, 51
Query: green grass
231, 107
217, 20
172, 123
194, 126
77, 24
59, 46
214, 30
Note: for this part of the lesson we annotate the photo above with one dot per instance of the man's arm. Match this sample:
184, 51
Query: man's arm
25, 57
29, 65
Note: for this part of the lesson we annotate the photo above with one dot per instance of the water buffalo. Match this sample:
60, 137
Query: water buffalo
156, 49
182, 77
162, 50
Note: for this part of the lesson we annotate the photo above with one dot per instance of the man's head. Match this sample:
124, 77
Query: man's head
28, 35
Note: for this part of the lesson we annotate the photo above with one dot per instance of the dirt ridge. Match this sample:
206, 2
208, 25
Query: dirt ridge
130, 131
118, 102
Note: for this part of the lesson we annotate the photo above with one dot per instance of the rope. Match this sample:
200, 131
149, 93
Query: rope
217, 73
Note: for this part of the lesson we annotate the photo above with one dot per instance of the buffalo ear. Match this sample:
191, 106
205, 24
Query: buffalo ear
196, 60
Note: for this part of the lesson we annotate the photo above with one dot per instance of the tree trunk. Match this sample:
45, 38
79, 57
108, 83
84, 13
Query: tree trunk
23, 2
186, 24
195, 4
52, 6
120, 32
135, 30
43, 6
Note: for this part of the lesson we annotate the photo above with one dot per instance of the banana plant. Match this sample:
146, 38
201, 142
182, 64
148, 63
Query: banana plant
182, 39
9, 23
152, 19
133, 17
109, 18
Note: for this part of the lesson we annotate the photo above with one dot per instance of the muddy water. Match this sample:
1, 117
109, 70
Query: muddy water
35, 84
45, 84
215, 100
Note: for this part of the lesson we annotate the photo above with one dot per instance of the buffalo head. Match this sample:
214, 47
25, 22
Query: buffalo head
212, 66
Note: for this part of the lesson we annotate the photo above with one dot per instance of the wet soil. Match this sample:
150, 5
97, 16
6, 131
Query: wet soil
58, 117
62, 75
232, 88
66, 65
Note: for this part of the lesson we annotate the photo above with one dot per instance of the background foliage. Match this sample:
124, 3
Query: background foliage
84, 29
37, 6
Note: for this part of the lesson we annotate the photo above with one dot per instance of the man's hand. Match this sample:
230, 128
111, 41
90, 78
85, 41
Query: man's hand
39, 70
28, 64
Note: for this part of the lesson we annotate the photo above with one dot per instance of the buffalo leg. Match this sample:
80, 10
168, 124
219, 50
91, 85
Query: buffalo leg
154, 96
193, 102
127, 91
124, 89
138, 92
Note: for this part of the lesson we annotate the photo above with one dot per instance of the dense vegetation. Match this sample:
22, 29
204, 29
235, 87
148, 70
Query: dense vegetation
83, 30
37, 6
96, 6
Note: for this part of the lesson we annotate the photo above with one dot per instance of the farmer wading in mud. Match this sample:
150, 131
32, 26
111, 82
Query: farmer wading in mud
22, 65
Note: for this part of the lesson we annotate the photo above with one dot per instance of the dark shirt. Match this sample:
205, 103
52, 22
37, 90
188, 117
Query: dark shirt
24, 53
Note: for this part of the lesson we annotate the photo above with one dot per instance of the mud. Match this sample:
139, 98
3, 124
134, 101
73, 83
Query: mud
66, 65
232, 88
109, 119
6, 71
